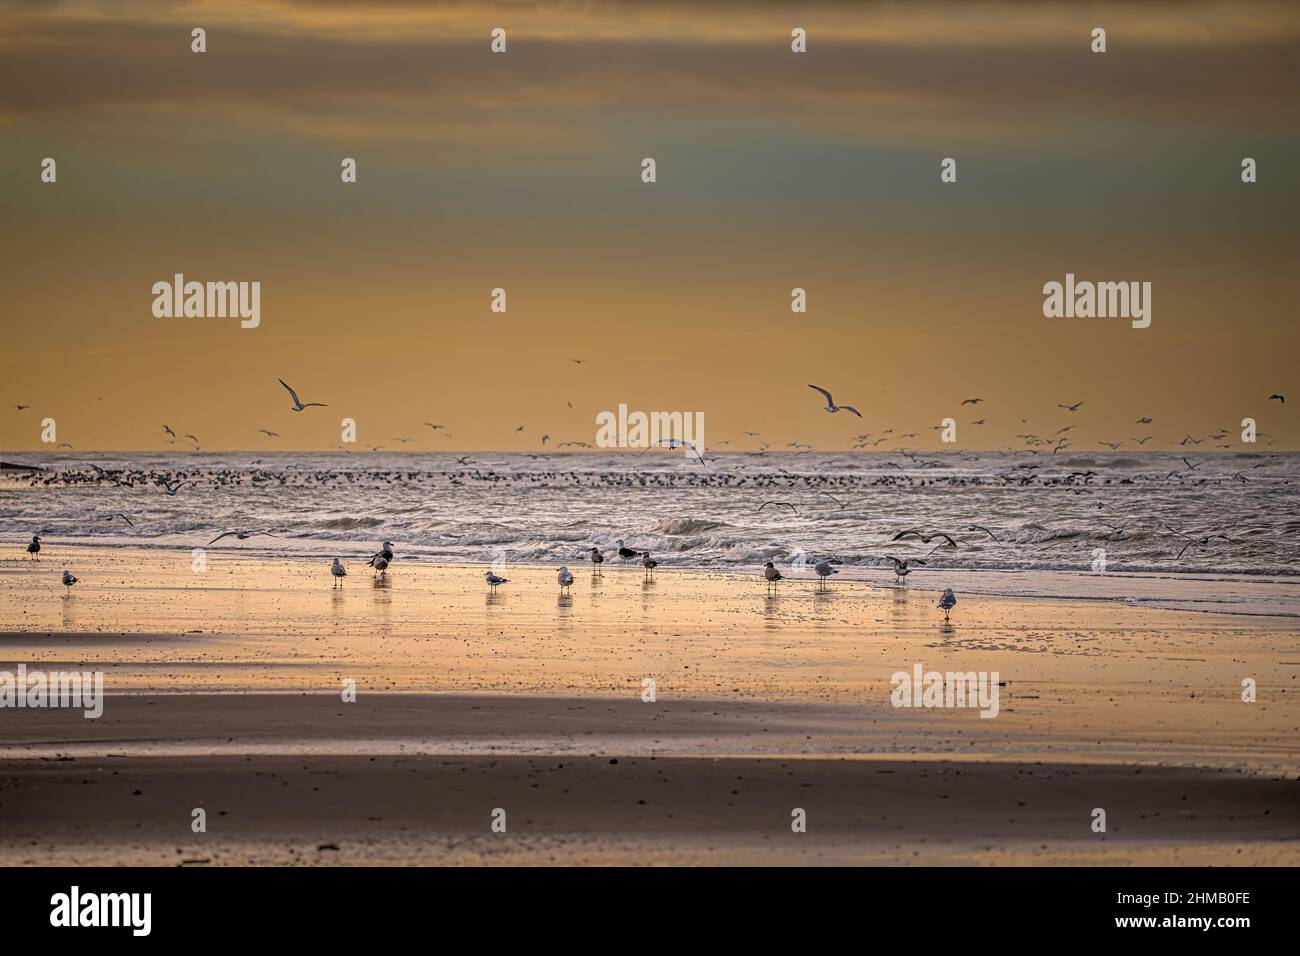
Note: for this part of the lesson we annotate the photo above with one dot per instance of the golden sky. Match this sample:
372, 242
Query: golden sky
522, 171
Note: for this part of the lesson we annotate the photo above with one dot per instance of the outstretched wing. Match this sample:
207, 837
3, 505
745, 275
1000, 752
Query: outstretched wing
850, 408
829, 400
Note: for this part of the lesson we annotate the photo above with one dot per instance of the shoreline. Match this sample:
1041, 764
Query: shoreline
1250, 595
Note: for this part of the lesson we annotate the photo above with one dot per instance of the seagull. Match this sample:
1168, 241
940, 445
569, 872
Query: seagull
168, 430
925, 538
1280, 398
339, 573
564, 578
1068, 408
69, 579
434, 427
772, 574
1145, 421
1204, 542
779, 503
972, 401
901, 569
382, 558
830, 402
948, 601
980, 527
626, 553
824, 571
269, 434
298, 404
21, 407
241, 535
34, 548
495, 580
117, 514
172, 489
1116, 532
597, 559
649, 564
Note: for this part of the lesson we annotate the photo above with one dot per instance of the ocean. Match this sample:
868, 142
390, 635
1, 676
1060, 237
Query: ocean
1091, 514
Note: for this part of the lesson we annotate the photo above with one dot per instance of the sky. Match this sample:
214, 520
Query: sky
522, 171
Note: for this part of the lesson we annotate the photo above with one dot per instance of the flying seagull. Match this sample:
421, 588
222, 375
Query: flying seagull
925, 538
1070, 408
1204, 542
972, 401
298, 404
830, 402
241, 535
1280, 398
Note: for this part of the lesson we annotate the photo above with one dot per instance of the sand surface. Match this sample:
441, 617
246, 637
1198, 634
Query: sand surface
225, 694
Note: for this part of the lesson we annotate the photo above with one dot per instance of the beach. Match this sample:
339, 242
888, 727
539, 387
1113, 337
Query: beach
683, 719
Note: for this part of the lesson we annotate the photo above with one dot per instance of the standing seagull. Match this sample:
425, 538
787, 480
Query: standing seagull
384, 556
34, 548
649, 564
947, 602
772, 574
830, 402
69, 579
379, 563
626, 553
824, 571
901, 569
298, 404
495, 580
339, 573
597, 559
564, 578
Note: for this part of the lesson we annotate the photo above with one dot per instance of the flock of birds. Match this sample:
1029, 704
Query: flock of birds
383, 558
1020, 474
1034, 443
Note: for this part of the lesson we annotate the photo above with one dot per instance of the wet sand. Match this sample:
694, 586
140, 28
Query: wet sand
225, 693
